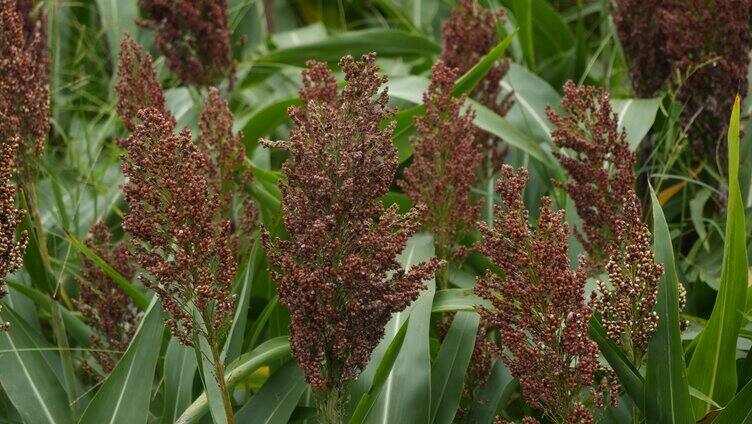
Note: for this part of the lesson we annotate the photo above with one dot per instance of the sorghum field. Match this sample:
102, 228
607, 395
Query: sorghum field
375, 211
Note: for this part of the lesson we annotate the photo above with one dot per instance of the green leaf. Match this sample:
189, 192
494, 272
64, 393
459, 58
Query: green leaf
629, 376
126, 393
636, 117
276, 349
138, 298
667, 398
451, 300
382, 372
275, 402
406, 395
179, 369
712, 369
263, 120
523, 13
448, 371
487, 398
385, 42
739, 410
26, 375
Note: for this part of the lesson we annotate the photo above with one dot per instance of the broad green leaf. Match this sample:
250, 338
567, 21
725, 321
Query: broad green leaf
179, 370
385, 42
636, 117
406, 394
712, 369
667, 398
26, 375
739, 410
275, 402
138, 298
263, 120
382, 372
487, 398
448, 371
451, 300
531, 96
276, 349
125, 395
629, 376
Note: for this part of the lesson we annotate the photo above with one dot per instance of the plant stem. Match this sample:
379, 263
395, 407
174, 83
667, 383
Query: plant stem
329, 404
219, 375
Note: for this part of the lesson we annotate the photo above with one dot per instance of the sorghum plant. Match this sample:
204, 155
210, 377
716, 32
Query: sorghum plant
601, 170
178, 234
104, 305
445, 166
24, 121
538, 306
193, 35
469, 33
705, 67
337, 274
599, 163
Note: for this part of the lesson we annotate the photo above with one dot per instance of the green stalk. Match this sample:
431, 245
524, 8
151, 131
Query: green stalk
219, 374
330, 404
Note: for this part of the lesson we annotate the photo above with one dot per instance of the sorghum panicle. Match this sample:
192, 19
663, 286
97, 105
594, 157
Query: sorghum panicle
174, 220
225, 151
445, 163
11, 247
713, 63
705, 66
104, 305
193, 35
626, 307
337, 274
638, 25
137, 87
24, 80
538, 305
599, 163
470, 33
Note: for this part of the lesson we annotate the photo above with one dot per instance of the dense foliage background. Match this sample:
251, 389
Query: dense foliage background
695, 190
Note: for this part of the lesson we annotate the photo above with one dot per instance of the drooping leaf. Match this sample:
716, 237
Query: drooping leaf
275, 402
276, 349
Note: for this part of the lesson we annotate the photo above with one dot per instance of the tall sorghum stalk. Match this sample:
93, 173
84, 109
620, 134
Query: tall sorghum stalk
179, 196
337, 273
538, 307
